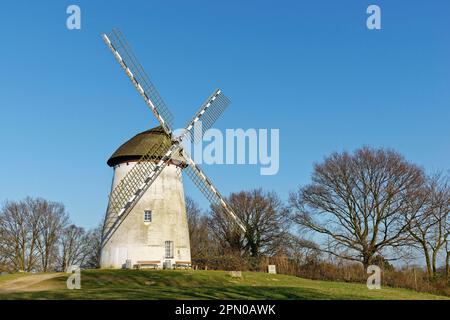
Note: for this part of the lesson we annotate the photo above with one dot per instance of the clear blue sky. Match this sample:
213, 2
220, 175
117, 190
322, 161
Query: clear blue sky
310, 68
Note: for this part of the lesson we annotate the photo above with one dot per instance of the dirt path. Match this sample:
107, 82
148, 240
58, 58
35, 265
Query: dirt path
28, 283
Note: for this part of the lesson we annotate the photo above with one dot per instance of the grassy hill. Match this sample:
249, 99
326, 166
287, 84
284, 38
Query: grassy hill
189, 284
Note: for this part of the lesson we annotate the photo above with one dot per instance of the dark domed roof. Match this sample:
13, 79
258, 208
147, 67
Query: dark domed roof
136, 147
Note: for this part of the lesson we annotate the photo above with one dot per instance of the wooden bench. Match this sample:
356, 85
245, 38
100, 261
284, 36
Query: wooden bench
182, 264
144, 264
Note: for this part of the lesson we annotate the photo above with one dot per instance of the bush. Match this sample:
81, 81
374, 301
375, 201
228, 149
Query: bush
228, 262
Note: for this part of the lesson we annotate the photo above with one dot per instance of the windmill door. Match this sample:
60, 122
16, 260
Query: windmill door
121, 257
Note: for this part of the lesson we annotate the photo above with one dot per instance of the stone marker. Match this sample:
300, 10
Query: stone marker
236, 274
272, 268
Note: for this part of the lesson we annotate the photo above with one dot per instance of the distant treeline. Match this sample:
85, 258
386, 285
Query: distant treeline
36, 236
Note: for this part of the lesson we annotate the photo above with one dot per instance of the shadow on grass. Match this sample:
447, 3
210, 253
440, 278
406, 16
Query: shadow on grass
203, 285
136, 285
157, 293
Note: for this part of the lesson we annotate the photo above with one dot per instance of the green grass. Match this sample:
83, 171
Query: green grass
163, 284
12, 276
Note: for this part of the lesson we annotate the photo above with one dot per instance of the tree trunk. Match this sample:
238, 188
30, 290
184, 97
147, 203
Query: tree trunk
435, 253
367, 260
447, 266
427, 260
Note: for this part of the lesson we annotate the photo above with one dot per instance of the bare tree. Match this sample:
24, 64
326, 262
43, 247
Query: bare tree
53, 220
263, 215
447, 248
200, 239
447, 258
93, 241
74, 247
35, 216
20, 223
362, 202
14, 235
225, 232
3, 260
429, 229
34, 237
300, 250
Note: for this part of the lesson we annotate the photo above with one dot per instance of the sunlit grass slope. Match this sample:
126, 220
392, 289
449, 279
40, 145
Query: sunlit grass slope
163, 284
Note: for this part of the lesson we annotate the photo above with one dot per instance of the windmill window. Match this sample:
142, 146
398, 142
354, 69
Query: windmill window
147, 216
169, 249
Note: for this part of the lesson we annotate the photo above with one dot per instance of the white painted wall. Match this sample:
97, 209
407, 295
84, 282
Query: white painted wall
141, 241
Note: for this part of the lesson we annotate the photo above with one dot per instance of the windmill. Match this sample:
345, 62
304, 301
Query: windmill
145, 222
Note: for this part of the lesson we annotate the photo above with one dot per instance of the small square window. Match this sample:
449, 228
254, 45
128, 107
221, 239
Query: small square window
147, 216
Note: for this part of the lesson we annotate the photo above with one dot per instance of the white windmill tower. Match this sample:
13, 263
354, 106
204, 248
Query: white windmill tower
145, 223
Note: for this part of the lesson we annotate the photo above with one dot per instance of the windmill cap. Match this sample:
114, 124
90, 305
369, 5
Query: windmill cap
136, 147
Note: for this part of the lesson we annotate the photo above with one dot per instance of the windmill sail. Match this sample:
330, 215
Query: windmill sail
205, 185
134, 70
208, 113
